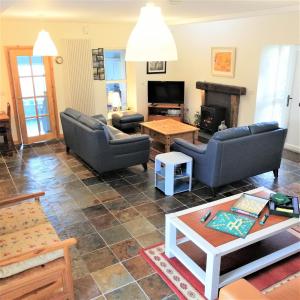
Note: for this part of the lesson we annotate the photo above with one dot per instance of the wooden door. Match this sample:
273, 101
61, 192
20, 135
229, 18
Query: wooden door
33, 91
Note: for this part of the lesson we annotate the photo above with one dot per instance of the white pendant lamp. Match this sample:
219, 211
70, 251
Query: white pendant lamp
44, 46
151, 39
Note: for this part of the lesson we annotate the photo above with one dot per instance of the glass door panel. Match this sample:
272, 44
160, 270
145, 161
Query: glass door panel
34, 96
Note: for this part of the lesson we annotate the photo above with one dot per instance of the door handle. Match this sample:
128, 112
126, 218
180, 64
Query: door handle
288, 100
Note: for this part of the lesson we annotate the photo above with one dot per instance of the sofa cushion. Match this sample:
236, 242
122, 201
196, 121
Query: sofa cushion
21, 216
91, 122
231, 133
101, 118
26, 240
75, 114
263, 127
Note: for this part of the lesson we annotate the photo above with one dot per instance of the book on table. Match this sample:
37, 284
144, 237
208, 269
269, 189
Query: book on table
249, 205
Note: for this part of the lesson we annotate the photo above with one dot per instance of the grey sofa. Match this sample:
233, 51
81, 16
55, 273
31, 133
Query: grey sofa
103, 147
236, 153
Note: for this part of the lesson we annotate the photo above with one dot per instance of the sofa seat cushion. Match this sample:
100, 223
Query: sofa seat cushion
75, 114
263, 127
128, 117
91, 122
21, 216
26, 240
231, 133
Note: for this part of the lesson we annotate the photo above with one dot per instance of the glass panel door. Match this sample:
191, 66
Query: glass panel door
35, 104
34, 95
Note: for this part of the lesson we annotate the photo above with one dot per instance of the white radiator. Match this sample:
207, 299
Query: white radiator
78, 75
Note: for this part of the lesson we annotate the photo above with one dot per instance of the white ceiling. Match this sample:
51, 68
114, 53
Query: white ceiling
174, 11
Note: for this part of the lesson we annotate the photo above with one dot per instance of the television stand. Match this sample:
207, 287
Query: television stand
160, 111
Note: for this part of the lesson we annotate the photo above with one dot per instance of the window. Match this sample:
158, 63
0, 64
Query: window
115, 76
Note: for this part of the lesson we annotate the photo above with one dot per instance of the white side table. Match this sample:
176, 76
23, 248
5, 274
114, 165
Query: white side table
173, 172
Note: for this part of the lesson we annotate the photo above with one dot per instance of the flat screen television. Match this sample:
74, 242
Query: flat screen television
166, 92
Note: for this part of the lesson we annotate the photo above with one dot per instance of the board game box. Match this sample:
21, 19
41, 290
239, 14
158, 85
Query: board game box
231, 223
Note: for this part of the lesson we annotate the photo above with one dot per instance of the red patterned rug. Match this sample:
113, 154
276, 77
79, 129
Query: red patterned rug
187, 286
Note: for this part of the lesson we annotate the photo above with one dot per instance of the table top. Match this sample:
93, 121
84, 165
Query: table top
169, 126
173, 158
191, 217
3, 116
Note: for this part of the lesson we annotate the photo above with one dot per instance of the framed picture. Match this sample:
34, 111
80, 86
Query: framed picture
223, 61
156, 67
98, 64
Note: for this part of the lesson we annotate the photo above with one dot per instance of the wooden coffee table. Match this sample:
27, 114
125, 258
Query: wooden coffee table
217, 244
164, 131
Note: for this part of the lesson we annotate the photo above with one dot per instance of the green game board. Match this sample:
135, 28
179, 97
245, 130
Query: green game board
231, 223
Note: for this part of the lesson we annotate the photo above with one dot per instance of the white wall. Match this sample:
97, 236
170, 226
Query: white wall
194, 42
24, 33
248, 35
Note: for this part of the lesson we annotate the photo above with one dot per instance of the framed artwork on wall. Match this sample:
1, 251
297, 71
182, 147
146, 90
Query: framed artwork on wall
156, 67
223, 61
98, 64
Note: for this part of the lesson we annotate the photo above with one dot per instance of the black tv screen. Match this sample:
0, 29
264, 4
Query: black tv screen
166, 92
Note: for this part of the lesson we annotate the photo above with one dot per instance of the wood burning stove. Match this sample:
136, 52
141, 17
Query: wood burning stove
211, 117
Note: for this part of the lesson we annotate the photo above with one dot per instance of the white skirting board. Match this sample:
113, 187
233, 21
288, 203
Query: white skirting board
293, 148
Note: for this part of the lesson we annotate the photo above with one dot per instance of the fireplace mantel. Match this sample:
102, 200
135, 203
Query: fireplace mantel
222, 95
221, 88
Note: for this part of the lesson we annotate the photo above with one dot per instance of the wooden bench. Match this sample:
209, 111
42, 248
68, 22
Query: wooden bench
27, 241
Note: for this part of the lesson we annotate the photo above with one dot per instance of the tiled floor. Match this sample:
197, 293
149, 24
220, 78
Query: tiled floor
112, 215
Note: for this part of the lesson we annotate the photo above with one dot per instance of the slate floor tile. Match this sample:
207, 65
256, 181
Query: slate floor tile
79, 229
151, 238
155, 287
95, 211
138, 267
104, 222
99, 259
115, 234
127, 214
139, 226
130, 291
90, 242
112, 277
126, 249
86, 288
149, 209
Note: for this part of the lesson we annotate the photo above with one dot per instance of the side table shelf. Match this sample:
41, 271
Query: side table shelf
173, 173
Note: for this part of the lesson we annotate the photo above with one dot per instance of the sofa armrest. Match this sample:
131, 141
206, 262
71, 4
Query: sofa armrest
200, 149
130, 139
101, 118
240, 289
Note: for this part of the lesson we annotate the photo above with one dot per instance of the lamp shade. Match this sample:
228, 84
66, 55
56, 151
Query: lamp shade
114, 99
151, 39
44, 46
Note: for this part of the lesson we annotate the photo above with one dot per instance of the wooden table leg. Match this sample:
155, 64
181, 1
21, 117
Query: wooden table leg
195, 137
168, 144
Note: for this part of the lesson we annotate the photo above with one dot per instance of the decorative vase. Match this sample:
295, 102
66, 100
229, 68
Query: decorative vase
222, 126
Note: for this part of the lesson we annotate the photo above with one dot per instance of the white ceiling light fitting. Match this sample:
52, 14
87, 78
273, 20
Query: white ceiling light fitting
151, 39
44, 45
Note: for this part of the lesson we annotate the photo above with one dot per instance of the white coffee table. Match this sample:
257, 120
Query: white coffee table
217, 244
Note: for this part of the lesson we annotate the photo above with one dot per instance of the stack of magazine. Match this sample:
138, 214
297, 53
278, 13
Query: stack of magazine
249, 205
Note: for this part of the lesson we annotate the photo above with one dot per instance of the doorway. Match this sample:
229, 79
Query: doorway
33, 95
278, 90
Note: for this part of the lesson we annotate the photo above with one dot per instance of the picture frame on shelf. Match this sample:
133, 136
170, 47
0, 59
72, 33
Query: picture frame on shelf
156, 67
223, 61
